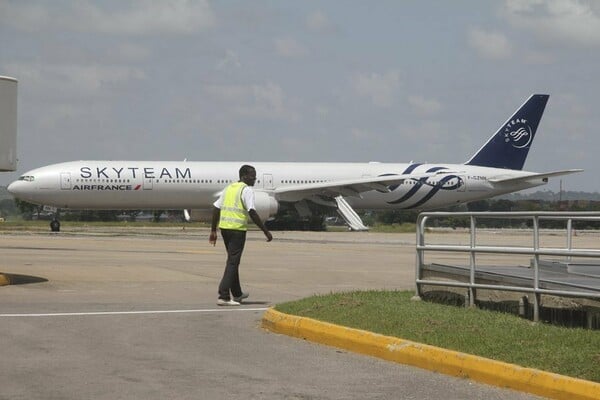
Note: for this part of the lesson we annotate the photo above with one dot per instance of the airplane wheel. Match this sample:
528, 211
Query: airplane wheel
55, 226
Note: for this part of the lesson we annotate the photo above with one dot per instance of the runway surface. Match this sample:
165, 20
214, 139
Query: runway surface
126, 313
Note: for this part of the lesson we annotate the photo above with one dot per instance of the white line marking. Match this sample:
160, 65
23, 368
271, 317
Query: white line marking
78, 314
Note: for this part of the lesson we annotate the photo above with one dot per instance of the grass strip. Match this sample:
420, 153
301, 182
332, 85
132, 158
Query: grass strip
499, 336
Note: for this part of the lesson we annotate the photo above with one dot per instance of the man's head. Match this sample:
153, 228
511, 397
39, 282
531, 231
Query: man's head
248, 175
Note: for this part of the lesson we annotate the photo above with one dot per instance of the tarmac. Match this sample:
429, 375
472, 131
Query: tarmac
130, 313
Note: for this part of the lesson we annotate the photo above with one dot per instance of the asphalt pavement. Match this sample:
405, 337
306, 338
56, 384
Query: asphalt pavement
131, 314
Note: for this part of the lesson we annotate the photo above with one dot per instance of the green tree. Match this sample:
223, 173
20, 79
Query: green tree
156, 214
480, 205
7, 207
26, 209
501, 205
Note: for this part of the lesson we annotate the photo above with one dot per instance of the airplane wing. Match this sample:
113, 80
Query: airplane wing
347, 187
532, 176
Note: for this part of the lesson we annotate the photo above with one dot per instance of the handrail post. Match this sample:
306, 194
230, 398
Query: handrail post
569, 237
536, 269
420, 257
472, 290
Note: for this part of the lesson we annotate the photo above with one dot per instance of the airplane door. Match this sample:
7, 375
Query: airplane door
267, 181
65, 180
148, 182
463, 183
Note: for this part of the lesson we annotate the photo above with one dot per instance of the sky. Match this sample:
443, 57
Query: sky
351, 81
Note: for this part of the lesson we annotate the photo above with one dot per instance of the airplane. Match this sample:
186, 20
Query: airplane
495, 169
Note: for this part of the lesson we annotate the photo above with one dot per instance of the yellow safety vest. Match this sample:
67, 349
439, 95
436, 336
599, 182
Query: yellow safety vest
233, 214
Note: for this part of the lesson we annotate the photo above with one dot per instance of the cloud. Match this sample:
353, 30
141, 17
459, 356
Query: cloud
132, 52
230, 60
290, 48
362, 134
539, 58
322, 111
265, 101
134, 17
318, 22
492, 45
379, 88
568, 21
73, 81
423, 106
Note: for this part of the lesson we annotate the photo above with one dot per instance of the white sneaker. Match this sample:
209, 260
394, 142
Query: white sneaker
221, 302
241, 297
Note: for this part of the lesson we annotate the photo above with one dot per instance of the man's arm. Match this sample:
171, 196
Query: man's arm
212, 239
248, 200
256, 219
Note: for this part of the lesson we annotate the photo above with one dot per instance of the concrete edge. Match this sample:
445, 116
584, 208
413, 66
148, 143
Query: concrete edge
432, 358
4, 280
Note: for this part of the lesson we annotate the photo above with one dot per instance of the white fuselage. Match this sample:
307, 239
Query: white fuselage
185, 185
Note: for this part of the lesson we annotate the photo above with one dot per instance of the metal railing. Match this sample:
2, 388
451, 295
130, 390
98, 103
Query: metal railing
535, 250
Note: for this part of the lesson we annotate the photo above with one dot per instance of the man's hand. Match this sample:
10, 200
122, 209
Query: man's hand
212, 239
256, 219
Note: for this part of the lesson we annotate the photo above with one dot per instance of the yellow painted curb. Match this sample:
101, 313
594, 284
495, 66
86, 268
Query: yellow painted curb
433, 358
4, 280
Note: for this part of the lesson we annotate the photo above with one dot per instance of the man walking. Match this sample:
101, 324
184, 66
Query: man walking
231, 213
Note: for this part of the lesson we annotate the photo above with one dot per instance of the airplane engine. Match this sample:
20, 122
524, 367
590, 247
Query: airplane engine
266, 205
199, 215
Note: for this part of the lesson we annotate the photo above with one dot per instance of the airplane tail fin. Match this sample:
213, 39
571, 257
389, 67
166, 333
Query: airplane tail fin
509, 146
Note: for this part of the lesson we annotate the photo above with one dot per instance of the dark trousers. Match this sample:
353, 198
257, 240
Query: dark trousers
234, 243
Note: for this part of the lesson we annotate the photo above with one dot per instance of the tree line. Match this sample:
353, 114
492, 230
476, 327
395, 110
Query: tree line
28, 212
494, 205
287, 218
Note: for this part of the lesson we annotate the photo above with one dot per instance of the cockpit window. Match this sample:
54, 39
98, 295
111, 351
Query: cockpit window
27, 178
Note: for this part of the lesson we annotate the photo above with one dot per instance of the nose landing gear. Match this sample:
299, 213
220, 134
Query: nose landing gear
55, 223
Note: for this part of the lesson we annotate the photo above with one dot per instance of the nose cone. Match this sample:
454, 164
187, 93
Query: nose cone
21, 190
17, 189
13, 188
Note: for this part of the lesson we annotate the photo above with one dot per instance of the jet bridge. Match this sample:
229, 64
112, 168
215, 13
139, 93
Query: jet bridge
8, 124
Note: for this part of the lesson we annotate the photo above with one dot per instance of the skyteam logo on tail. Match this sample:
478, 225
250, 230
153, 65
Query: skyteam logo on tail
518, 133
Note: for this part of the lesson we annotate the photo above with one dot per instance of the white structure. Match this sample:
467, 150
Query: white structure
8, 124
